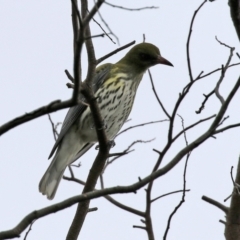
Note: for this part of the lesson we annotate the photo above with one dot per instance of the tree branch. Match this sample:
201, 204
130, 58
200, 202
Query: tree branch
216, 204
156, 95
232, 229
188, 41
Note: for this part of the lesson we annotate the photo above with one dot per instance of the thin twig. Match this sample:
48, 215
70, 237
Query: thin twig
109, 198
98, 35
184, 183
70, 85
218, 69
184, 130
28, 231
228, 197
54, 130
70, 77
215, 203
140, 125
204, 101
140, 227
107, 34
224, 44
115, 51
223, 222
92, 209
182, 200
126, 151
226, 128
224, 69
130, 9
189, 38
191, 126
224, 119
156, 95
167, 194
144, 38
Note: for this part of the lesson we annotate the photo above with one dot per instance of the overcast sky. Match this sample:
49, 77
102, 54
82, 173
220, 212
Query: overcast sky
36, 48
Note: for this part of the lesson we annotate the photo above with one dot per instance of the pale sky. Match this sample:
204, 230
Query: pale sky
36, 48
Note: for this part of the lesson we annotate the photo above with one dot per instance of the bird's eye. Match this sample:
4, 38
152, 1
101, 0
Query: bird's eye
143, 56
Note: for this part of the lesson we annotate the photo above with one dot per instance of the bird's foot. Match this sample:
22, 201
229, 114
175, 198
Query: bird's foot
111, 144
104, 126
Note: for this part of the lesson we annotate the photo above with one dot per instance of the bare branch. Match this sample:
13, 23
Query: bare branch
119, 154
55, 133
126, 151
28, 231
89, 16
92, 209
107, 26
69, 76
216, 204
156, 95
184, 183
184, 130
204, 101
192, 125
224, 44
170, 193
98, 35
130, 9
224, 69
51, 107
228, 197
115, 51
144, 38
70, 85
75, 23
226, 128
148, 218
189, 38
109, 29
86, 90
140, 227
216, 70
140, 125
233, 214
109, 198
182, 200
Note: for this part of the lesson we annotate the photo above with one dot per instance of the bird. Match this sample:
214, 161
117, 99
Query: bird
115, 87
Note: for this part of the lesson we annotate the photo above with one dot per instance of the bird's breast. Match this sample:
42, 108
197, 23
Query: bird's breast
115, 99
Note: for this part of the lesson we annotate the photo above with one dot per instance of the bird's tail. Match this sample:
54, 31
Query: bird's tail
65, 155
52, 177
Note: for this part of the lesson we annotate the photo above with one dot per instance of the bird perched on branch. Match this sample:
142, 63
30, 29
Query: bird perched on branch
115, 87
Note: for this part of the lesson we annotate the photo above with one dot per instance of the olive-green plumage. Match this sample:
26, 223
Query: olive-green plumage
115, 86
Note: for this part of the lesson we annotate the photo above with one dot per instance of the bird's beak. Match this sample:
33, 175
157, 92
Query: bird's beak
164, 61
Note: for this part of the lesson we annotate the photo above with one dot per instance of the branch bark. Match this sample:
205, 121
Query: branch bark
235, 14
232, 229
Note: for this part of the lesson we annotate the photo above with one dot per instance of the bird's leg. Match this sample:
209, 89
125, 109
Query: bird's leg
104, 125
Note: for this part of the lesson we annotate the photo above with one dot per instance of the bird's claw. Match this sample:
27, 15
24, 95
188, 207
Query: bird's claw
111, 144
104, 126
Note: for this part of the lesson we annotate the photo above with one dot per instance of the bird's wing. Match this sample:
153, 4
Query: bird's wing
82, 151
75, 112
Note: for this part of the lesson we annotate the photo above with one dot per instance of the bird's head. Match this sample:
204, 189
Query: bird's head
143, 56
